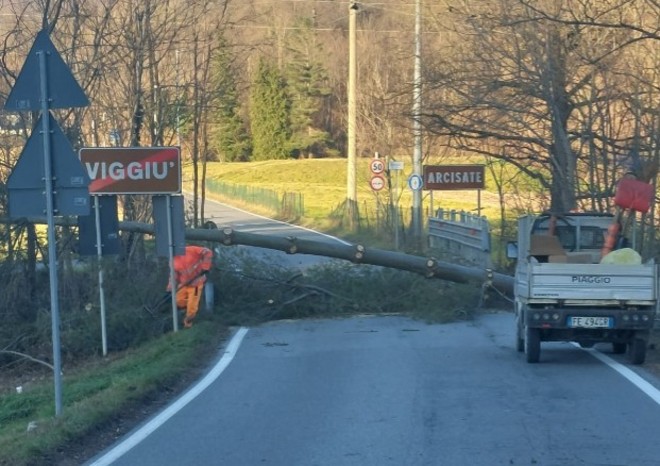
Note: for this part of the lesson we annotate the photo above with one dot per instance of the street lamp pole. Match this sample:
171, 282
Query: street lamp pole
417, 129
351, 183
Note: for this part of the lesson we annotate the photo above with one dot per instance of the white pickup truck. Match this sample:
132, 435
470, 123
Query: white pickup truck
563, 293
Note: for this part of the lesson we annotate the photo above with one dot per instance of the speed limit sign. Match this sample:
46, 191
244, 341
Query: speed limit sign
377, 166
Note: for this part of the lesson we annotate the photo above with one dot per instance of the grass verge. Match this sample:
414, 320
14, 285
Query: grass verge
99, 391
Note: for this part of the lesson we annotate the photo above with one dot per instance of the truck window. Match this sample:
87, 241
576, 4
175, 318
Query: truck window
592, 237
566, 235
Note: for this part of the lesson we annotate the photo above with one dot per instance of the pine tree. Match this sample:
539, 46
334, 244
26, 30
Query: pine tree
308, 88
269, 114
228, 134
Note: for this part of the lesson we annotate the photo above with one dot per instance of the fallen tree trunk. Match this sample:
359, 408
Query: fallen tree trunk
356, 253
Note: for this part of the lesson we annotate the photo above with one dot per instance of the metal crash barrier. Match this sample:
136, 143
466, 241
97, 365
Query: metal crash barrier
463, 235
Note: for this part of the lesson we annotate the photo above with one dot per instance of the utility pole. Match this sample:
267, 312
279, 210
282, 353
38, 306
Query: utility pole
351, 182
417, 130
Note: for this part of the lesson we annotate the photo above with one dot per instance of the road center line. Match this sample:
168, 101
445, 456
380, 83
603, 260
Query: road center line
175, 407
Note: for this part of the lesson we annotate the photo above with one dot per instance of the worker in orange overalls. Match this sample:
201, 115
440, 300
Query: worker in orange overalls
190, 272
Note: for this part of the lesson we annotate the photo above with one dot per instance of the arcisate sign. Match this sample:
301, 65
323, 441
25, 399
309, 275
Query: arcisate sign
453, 177
132, 170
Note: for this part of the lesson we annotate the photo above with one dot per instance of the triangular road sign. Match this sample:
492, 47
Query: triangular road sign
26, 184
62, 88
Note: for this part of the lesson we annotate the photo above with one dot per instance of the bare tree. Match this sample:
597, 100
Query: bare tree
518, 84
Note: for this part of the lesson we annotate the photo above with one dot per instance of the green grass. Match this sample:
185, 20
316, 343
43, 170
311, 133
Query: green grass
94, 395
323, 183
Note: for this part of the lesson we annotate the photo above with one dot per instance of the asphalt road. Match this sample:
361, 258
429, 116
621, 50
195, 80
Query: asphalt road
224, 215
373, 391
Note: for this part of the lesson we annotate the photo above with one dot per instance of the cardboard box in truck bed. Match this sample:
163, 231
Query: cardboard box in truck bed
547, 248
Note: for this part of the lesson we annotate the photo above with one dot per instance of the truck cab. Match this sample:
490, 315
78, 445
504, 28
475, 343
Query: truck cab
564, 293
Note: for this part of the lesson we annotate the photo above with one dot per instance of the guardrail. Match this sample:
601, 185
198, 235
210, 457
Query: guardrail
461, 234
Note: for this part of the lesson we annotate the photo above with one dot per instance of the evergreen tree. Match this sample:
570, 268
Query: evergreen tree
307, 81
228, 135
269, 114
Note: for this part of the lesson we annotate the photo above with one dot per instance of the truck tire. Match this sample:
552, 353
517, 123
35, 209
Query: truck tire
532, 344
637, 351
619, 348
520, 340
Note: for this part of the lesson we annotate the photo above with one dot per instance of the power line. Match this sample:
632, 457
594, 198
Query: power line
319, 29
362, 4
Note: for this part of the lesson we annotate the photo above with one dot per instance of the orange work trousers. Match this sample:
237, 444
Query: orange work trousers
187, 297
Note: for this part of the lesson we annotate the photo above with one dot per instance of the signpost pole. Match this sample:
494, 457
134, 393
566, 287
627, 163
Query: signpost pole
396, 210
170, 243
431, 201
99, 255
65, 185
52, 250
479, 202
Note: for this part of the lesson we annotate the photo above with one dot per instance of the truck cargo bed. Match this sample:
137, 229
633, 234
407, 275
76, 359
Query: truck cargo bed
591, 282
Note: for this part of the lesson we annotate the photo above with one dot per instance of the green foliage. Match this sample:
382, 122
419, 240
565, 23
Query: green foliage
307, 85
126, 292
270, 109
254, 291
228, 135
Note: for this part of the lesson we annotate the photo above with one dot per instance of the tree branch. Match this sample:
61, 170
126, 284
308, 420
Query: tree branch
27, 356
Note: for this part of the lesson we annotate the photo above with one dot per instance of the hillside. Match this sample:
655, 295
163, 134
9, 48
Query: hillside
323, 184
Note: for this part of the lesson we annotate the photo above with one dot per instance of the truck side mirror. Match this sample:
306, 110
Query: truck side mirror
512, 250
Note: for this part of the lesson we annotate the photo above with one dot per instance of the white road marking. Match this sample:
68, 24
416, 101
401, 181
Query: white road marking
175, 407
627, 373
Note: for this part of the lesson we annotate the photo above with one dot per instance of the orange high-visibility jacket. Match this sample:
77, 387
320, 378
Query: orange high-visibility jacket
189, 267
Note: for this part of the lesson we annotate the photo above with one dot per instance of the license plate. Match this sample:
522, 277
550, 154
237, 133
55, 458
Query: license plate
590, 322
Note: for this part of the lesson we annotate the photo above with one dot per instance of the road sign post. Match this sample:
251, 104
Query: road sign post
396, 166
99, 255
45, 82
52, 251
170, 250
99, 236
169, 229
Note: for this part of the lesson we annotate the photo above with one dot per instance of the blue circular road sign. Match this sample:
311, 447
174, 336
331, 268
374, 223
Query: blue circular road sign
415, 182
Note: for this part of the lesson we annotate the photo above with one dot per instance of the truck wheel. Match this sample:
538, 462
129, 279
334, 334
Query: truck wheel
619, 348
532, 344
520, 341
637, 351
